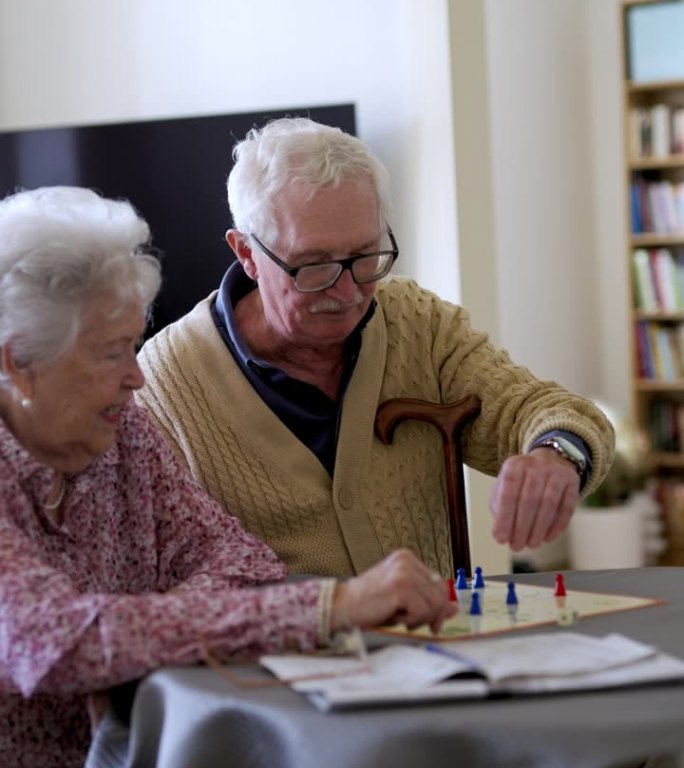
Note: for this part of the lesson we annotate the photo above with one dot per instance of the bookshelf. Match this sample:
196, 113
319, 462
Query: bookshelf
654, 184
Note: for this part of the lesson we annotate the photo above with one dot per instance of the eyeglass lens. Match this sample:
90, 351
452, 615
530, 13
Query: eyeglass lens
364, 270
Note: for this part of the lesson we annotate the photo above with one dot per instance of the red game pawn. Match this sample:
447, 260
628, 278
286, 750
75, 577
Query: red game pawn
452, 591
560, 593
560, 586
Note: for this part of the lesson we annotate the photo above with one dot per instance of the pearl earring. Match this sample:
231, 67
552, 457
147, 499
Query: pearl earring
25, 402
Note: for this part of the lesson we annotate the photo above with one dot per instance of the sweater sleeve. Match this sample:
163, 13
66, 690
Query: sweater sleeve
517, 407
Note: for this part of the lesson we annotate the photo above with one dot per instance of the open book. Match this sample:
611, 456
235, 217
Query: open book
540, 663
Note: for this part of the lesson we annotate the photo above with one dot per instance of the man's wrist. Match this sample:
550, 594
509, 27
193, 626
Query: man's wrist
570, 447
567, 451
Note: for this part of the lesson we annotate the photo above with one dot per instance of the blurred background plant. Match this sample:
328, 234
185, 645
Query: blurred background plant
629, 471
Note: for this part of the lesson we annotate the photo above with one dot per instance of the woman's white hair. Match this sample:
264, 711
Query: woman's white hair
291, 150
60, 247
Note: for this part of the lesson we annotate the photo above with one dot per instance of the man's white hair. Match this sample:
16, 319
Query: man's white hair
296, 150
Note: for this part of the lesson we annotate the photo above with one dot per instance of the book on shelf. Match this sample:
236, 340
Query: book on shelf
657, 206
670, 495
644, 284
666, 425
660, 350
667, 280
678, 131
678, 191
660, 130
639, 132
656, 131
541, 663
644, 357
636, 201
667, 356
654, 346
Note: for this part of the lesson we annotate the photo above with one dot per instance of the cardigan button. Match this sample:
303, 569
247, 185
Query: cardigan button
345, 498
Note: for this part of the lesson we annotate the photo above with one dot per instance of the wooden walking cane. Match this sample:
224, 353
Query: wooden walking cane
450, 419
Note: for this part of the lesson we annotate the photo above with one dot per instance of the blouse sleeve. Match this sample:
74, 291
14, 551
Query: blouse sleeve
55, 638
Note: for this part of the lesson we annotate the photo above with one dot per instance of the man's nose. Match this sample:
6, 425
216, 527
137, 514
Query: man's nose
345, 284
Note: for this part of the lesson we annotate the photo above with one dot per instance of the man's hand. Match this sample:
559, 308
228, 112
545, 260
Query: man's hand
400, 588
533, 498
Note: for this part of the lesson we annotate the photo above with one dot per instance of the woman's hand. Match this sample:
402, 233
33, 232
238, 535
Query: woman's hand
398, 589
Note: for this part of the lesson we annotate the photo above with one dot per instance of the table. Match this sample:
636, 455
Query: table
192, 717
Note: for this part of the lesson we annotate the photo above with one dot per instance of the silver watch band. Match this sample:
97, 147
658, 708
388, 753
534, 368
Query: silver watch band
567, 450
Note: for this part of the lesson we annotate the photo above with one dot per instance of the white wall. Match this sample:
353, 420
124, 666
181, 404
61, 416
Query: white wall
556, 126
555, 91
542, 149
78, 61
476, 227
610, 204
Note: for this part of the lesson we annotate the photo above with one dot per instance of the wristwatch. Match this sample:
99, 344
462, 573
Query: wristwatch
568, 450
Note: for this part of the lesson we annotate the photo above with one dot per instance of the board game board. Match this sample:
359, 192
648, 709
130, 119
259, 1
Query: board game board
536, 606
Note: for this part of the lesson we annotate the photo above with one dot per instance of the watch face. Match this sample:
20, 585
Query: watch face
572, 452
575, 457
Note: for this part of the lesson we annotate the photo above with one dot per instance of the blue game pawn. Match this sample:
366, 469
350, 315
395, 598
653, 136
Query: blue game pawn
461, 580
479, 579
512, 602
475, 609
462, 590
511, 597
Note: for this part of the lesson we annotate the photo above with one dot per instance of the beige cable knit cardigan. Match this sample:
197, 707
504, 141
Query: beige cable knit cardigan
380, 497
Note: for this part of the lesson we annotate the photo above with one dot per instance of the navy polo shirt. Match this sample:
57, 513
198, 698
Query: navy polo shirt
306, 411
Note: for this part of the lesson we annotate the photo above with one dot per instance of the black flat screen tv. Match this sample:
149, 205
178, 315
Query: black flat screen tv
173, 170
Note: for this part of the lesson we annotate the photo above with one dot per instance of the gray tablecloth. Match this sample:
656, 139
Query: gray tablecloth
193, 718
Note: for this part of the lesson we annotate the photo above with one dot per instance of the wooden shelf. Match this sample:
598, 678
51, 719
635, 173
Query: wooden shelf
656, 163
656, 85
655, 385
649, 239
673, 558
667, 460
631, 3
659, 317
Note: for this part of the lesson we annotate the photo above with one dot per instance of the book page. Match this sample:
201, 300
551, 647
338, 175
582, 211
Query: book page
557, 654
395, 667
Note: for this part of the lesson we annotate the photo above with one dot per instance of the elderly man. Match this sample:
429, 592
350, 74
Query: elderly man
269, 388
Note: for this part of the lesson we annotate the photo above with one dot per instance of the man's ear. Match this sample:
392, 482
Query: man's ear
20, 378
240, 246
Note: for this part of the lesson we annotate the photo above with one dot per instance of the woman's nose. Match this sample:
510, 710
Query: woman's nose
135, 379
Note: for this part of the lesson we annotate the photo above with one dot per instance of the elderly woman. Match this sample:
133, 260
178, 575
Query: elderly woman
114, 561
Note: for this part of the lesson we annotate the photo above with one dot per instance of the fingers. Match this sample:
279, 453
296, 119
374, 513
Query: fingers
421, 594
533, 499
504, 501
566, 508
451, 609
398, 589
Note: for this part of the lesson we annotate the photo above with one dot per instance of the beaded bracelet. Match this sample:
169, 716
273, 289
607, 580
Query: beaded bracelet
325, 606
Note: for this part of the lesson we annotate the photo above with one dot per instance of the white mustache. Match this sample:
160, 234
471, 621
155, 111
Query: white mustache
334, 305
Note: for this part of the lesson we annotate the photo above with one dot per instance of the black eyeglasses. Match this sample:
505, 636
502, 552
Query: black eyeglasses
364, 267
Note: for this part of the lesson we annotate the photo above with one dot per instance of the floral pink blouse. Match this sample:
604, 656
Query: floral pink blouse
143, 566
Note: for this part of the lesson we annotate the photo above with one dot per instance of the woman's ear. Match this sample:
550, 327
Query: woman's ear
20, 378
241, 248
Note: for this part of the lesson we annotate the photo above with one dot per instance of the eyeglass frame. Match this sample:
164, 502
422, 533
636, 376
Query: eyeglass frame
343, 263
